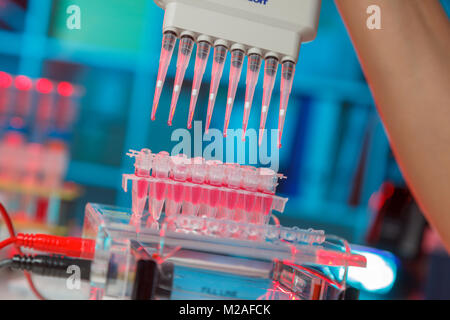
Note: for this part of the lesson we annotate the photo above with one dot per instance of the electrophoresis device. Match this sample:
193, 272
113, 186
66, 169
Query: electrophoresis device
269, 30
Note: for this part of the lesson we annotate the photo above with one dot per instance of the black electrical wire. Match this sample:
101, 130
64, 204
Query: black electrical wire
51, 266
5, 263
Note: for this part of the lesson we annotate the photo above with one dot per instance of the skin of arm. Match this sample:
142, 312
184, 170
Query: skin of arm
407, 66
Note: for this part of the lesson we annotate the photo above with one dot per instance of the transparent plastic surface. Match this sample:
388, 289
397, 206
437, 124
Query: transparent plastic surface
284, 264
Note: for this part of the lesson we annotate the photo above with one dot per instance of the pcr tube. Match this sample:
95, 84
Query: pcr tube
254, 66
287, 78
233, 180
270, 74
201, 60
143, 165
168, 43
184, 55
220, 54
157, 192
250, 183
194, 194
215, 178
237, 59
180, 172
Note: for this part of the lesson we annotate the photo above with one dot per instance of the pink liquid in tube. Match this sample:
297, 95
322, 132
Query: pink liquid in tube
140, 187
201, 60
168, 44
184, 56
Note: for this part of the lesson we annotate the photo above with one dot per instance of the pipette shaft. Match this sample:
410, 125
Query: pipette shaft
254, 66
237, 59
168, 44
287, 78
203, 49
220, 54
184, 55
270, 74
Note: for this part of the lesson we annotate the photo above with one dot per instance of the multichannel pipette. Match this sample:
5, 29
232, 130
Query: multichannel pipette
184, 55
287, 78
220, 55
168, 44
200, 64
270, 74
273, 32
254, 65
237, 59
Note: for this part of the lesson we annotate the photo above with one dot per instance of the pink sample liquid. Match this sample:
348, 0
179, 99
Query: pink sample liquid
178, 192
240, 201
214, 196
196, 195
267, 205
249, 202
160, 190
231, 199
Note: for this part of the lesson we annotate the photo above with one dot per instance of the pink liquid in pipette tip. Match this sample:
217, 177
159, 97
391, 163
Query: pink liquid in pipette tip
287, 79
237, 59
184, 56
168, 44
203, 49
254, 66
270, 73
220, 54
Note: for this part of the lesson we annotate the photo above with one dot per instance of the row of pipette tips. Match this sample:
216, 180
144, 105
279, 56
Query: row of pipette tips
237, 59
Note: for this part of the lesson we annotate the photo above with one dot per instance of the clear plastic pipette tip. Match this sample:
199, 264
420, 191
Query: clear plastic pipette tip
237, 59
220, 55
254, 66
287, 78
270, 74
184, 55
168, 44
201, 60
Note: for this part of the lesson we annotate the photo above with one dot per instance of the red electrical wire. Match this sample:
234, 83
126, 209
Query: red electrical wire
12, 238
7, 242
